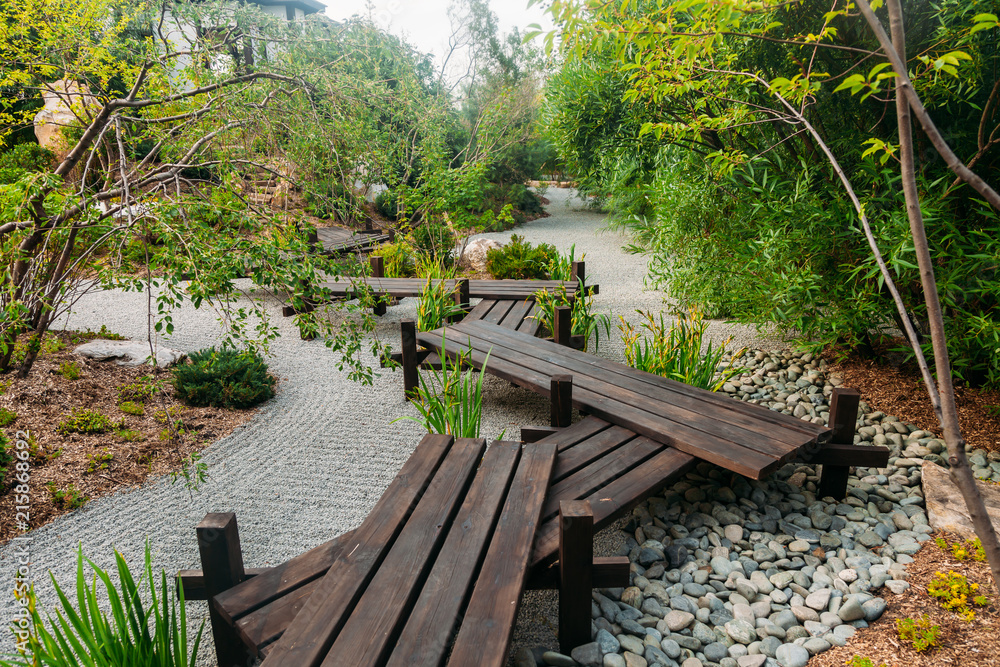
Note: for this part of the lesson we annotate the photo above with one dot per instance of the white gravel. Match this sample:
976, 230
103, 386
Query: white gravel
315, 459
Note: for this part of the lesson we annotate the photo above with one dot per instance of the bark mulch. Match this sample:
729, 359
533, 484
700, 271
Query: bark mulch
89, 465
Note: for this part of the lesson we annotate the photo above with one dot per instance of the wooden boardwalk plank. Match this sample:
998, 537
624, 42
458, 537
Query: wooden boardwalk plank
312, 631
370, 633
438, 610
603, 444
489, 620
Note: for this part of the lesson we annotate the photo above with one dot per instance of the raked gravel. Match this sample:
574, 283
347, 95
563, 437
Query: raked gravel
314, 460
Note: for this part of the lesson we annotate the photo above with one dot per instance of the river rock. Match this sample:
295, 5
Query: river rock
128, 353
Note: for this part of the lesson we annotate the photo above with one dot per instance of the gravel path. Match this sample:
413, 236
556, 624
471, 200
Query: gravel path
315, 459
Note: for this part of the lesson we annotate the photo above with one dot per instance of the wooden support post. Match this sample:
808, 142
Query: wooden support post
462, 297
561, 398
312, 239
576, 576
378, 266
843, 420
408, 340
579, 274
563, 325
222, 565
392, 235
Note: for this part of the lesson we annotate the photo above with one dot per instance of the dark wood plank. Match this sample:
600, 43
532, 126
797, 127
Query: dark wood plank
691, 401
728, 454
532, 323
480, 309
844, 403
193, 581
498, 312
531, 434
310, 634
437, 612
370, 632
615, 499
869, 456
265, 626
489, 619
278, 581
700, 396
518, 311
609, 572
586, 452
562, 325
561, 400
576, 577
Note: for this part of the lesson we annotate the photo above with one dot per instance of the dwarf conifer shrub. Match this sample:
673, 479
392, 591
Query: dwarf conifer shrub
519, 260
225, 378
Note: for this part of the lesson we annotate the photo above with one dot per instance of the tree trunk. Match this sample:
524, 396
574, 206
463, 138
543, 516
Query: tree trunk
961, 473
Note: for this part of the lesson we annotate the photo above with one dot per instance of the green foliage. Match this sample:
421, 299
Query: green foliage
676, 352
99, 461
70, 370
434, 239
584, 322
450, 401
132, 634
437, 305
387, 204
224, 378
918, 632
521, 260
7, 417
860, 661
81, 420
7, 457
24, 159
131, 408
136, 392
193, 471
963, 550
561, 266
955, 592
70, 498
130, 435
398, 259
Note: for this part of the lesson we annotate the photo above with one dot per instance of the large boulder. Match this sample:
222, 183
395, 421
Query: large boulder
57, 114
128, 352
945, 506
474, 255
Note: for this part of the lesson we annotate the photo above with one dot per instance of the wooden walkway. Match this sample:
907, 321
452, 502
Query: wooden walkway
748, 439
339, 240
348, 287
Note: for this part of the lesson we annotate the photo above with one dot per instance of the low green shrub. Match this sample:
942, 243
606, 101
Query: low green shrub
70, 498
131, 408
83, 635
130, 435
387, 204
436, 240
70, 370
561, 266
100, 461
7, 417
84, 421
519, 260
224, 378
24, 159
675, 352
398, 259
135, 392
919, 632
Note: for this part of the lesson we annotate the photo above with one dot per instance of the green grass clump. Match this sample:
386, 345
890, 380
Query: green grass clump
69, 498
675, 352
131, 632
7, 417
437, 306
585, 322
225, 378
135, 392
70, 370
131, 408
519, 260
84, 421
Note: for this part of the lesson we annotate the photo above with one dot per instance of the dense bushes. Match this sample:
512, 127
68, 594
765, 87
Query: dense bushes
24, 159
224, 378
520, 260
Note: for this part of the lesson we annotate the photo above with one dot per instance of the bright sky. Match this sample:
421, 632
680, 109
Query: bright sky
424, 23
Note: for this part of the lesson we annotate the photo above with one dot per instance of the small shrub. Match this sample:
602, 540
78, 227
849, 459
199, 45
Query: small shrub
961, 551
223, 378
387, 204
84, 421
69, 498
859, 661
398, 259
70, 370
136, 392
918, 632
7, 457
24, 159
41, 454
106, 334
166, 416
100, 461
519, 260
131, 634
131, 408
130, 435
434, 239
954, 592
7, 417
676, 352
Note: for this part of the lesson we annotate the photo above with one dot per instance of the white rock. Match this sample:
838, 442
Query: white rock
128, 352
474, 255
60, 99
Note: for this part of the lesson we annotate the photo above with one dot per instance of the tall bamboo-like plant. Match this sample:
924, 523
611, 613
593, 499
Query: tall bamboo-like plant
585, 322
135, 634
437, 305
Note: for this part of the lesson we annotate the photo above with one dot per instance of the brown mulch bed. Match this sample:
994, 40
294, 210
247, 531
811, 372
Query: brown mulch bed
96, 465
967, 643
900, 392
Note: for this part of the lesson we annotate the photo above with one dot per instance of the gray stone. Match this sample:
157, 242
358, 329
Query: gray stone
741, 631
692, 662
630, 643
633, 660
734, 532
790, 655
524, 658
803, 614
614, 660
751, 660
128, 352
873, 609
716, 651
818, 600
851, 610
558, 659
678, 620
672, 648
816, 645
588, 655
946, 510
607, 642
